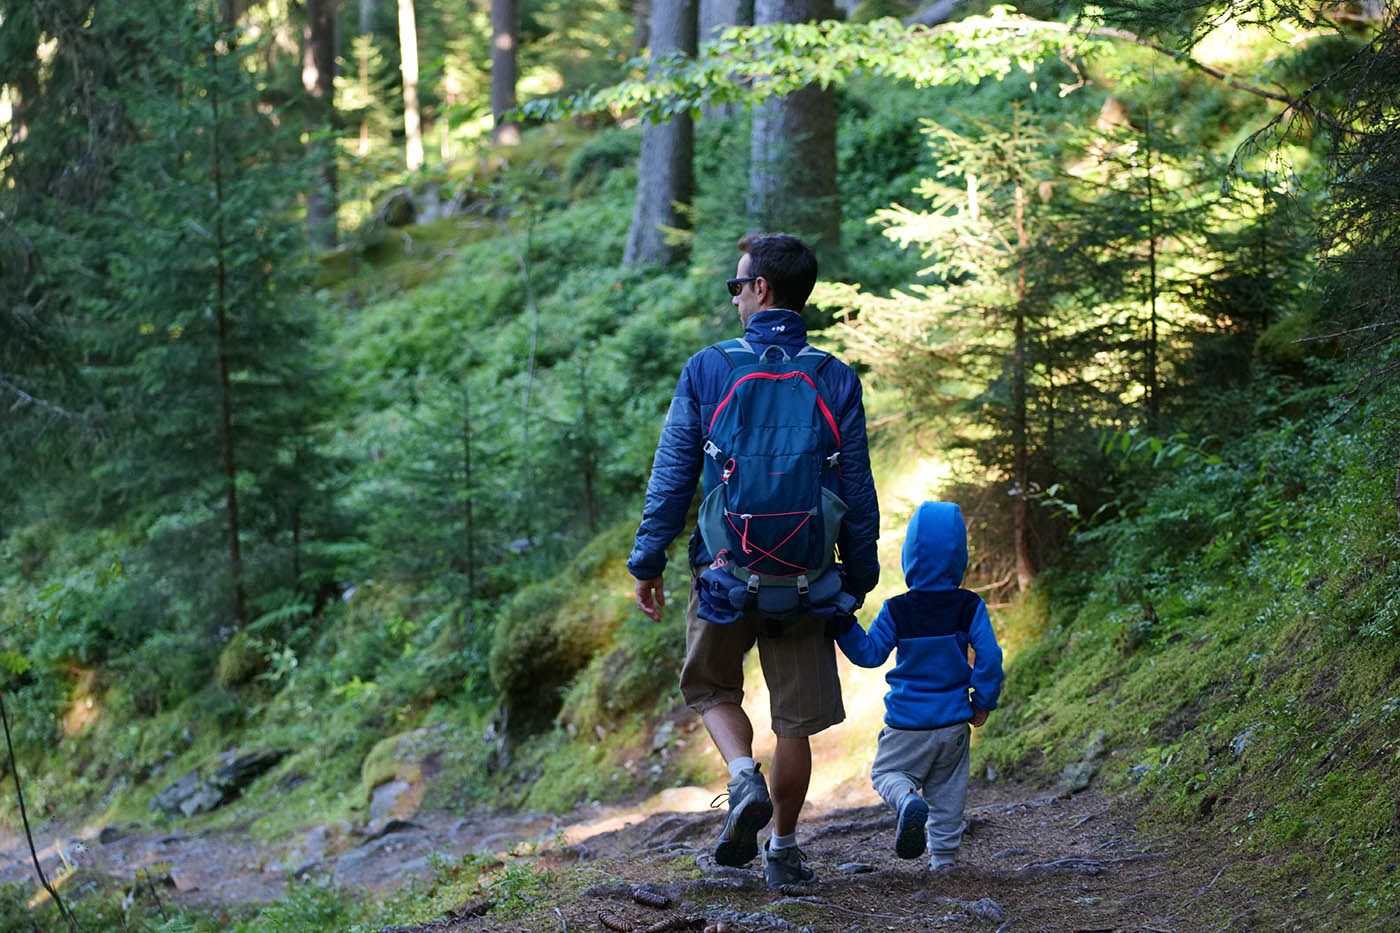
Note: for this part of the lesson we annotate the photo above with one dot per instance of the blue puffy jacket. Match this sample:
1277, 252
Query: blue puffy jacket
679, 457
932, 626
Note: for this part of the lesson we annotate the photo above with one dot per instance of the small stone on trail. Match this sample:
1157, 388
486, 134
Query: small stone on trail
856, 868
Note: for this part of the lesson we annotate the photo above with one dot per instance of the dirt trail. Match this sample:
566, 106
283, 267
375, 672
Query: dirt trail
1030, 861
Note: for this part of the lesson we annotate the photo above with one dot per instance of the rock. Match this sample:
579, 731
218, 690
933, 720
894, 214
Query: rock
1242, 741
390, 801
215, 782
1138, 772
399, 853
1076, 776
986, 909
856, 868
665, 734
311, 849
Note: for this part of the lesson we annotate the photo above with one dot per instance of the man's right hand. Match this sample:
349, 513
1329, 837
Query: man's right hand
979, 716
650, 598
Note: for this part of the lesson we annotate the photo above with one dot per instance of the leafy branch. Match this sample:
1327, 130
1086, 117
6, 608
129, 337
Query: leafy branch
746, 65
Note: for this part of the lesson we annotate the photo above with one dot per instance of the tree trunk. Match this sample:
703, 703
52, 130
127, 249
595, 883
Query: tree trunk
505, 36
366, 27
1020, 432
792, 170
318, 78
666, 179
1153, 400
641, 26
715, 15
226, 443
408, 66
1397, 495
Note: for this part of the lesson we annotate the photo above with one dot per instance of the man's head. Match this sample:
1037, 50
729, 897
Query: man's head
776, 271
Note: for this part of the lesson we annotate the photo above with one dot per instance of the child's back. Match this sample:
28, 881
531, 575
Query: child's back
934, 691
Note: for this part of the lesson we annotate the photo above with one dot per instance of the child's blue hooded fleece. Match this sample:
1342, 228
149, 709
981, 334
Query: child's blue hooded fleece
931, 627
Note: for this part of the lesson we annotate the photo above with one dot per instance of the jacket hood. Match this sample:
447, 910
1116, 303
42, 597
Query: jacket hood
776, 325
935, 547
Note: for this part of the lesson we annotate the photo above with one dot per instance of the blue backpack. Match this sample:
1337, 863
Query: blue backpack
771, 516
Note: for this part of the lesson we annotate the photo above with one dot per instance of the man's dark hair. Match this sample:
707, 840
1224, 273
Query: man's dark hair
786, 262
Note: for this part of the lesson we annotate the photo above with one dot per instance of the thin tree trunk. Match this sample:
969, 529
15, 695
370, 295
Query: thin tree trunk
505, 36
666, 179
318, 78
1397, 495
235, 554
792, 168
1020, 440
366, 26
589, 452
408, 67
1153, 401
641, 26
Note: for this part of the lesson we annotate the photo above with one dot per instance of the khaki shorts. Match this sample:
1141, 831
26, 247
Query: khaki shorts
799, 667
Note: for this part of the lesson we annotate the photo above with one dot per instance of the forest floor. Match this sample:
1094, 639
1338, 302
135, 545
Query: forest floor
1030, 861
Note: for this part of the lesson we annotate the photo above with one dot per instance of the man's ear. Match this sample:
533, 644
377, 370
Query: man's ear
762, 290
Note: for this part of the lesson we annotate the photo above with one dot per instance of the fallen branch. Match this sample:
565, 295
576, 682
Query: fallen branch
24, 818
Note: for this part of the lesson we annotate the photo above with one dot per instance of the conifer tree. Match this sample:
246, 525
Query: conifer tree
204, 330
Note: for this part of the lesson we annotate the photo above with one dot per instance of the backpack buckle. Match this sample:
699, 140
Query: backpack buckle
712, 449
834, 459
802, 586
753, 584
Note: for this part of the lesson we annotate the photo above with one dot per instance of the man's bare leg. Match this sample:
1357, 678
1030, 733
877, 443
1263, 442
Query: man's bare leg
792, 770
730, 730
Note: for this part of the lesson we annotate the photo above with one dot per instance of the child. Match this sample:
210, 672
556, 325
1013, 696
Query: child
923, 746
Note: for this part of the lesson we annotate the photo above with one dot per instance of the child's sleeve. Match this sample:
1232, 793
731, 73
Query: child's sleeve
986, 668
868, 649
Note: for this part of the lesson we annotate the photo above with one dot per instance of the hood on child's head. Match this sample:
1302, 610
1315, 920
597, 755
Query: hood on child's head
935, 547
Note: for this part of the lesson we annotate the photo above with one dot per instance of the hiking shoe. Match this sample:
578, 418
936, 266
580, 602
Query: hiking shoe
910, 837
941, 867
750, 809
786, 866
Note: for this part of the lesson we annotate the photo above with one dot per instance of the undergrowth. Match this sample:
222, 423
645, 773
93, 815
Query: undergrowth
1235, 639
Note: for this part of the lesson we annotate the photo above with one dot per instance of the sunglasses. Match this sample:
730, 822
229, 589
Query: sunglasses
735, 286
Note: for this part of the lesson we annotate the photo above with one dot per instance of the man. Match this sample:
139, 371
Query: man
774, 277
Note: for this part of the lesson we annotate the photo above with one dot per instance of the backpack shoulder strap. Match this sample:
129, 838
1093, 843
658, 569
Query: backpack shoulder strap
729, 349
810, 351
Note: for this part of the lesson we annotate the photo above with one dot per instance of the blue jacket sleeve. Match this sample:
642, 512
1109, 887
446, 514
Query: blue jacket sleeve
869, 649
986, 668
675, 471
860, 529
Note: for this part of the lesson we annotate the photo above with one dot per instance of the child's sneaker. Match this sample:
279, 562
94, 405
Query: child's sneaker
910, 837
941, 866
786, 866
750, 809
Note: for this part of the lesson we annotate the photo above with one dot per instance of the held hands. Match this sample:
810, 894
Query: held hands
651, 599
979, 716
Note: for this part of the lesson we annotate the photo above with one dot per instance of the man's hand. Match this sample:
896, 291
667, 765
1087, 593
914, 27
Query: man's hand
651, 600
979, 716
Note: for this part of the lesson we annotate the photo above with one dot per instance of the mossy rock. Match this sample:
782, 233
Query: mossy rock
243, 658
400, 757
550, 631
1284, 345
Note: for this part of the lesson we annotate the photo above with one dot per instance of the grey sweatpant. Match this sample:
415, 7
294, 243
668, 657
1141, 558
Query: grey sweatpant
933, 762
